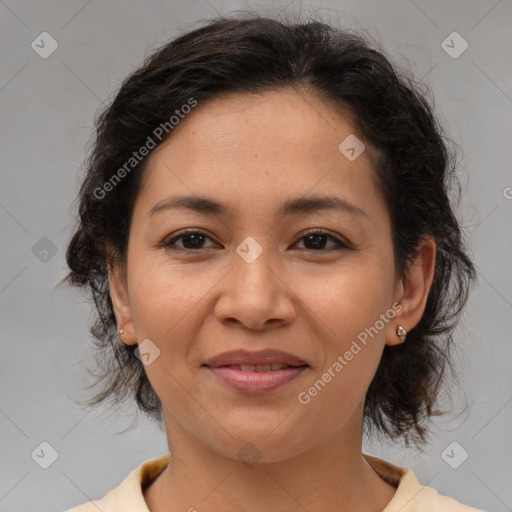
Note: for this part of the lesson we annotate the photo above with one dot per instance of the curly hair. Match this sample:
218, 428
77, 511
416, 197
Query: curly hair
415, 170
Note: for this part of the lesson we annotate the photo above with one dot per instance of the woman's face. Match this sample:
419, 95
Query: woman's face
254, 280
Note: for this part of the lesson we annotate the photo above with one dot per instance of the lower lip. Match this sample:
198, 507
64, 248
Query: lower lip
256, 382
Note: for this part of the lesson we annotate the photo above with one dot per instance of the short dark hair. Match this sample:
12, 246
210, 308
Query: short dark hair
415, 170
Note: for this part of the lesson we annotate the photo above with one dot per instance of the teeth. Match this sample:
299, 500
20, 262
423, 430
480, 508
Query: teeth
261, 367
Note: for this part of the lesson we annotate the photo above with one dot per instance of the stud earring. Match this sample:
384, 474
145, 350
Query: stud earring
121, 331
401, 332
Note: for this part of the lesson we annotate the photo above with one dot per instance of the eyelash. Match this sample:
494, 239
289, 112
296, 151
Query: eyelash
169, 243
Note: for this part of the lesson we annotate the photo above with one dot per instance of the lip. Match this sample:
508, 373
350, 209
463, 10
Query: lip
256, 382
266, 356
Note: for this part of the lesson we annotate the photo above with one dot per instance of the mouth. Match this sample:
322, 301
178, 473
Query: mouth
263, 360
258, 367
254, 372
256, 379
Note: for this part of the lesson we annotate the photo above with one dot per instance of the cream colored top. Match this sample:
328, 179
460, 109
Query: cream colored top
410, 495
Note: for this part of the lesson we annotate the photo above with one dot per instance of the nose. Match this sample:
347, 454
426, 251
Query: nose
256, 294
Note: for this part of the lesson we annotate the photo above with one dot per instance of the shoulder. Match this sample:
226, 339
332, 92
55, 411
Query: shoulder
410, 495
128, 495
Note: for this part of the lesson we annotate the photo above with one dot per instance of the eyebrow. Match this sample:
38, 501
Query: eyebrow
297, 206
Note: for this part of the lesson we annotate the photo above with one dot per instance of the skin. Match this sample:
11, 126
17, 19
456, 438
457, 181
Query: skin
252, 152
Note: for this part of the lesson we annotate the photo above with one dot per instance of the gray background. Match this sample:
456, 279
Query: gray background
48, 107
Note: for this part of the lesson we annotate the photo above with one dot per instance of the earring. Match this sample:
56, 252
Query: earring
121, 331
401, 332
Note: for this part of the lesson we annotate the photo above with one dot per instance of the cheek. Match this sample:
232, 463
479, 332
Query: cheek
350, 336
164, 310
353, 311
169, 304
161, 293
352, 298
159, 304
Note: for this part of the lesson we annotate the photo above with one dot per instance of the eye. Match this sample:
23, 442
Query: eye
318, 238
193, 240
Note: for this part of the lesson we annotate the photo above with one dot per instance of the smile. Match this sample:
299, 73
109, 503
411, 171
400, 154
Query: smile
255, 379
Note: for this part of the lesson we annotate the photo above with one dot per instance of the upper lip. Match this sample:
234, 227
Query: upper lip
268, 356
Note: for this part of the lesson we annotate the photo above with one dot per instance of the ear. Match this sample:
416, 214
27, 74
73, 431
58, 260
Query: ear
120, 301
413, 290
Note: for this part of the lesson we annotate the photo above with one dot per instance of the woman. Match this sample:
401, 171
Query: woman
266, 232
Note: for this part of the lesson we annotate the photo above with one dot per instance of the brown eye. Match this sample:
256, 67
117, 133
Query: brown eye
191, 241
317, 240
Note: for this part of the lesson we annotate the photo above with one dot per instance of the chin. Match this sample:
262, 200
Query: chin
269, 444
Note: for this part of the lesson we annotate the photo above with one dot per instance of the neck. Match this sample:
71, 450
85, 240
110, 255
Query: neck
330, 476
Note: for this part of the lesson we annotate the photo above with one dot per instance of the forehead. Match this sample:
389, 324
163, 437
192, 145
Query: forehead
265, 120
261, 146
